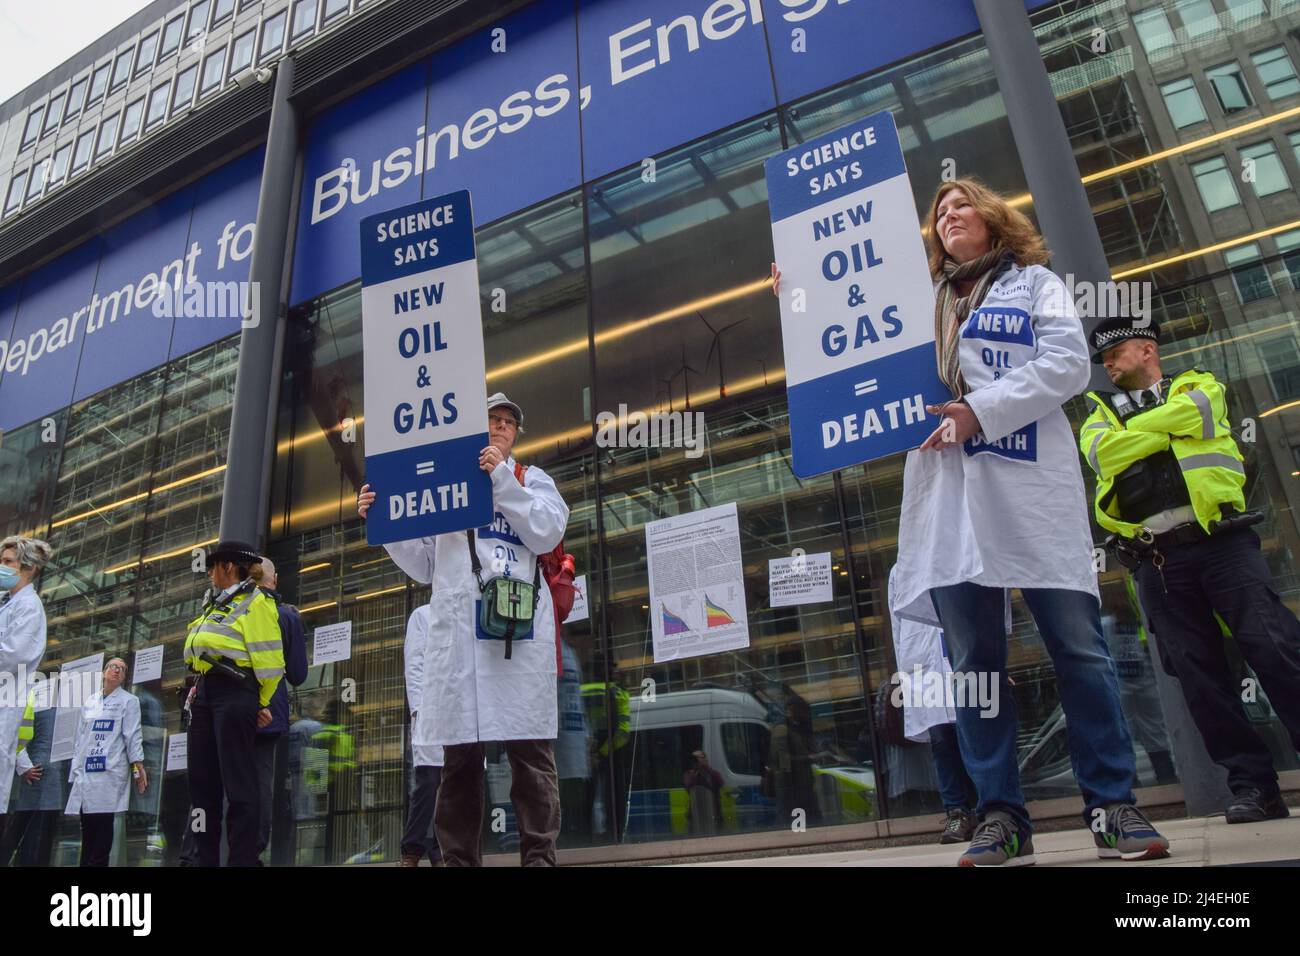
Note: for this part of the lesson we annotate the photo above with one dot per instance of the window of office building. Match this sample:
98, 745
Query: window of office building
16, 187
77, 96
184, 91
148, 48
121, 70
98, 85
81, 155
1288, 243
131, 119
54, 113
1214, 181
213, 64
241, 52
33, 128
198, 20
1153, 30
1249, 273
1246, 11
1276, 72
1281, 360
157, 106
272, 37
1229, 87
334, 9
62, 157
40, 174
1262, 168
222, 11
304, 18
1183, 102
107, 136
171, 37
1200, 19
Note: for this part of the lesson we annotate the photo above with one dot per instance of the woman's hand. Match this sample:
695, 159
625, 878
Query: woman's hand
489, 458
141, 777
776, 280
958, 424
365, 498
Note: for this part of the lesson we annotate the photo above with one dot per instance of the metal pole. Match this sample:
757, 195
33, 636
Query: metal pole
257, 381
1065, 218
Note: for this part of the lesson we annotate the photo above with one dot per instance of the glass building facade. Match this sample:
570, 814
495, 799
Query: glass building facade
650, 291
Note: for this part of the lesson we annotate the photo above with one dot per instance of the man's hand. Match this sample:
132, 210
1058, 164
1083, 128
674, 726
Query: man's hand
31, 776
490, 457
141, 777
365, 498
958, 424
776, 280
263, 717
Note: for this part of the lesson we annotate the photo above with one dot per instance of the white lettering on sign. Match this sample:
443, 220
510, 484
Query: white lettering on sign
424, 502
864, 424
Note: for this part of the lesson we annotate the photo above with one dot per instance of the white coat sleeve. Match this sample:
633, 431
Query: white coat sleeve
23, 639
23, 764
75, 763
417, 630
415, 557
1056, 374
132, 733
535, 509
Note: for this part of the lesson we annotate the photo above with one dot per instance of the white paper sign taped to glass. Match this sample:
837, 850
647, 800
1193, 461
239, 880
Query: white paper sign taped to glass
422, 339
805, 579
857, 303
697, 584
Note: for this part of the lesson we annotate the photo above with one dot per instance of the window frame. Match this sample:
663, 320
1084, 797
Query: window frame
142, 64
57, 176
1190, 88
163, 50
1223, 168
83, 82
251, 33
1229, 68
327, 17
1149, 14
191, 71
220, 54
164, 88
32, 125
1266, 147
263, 55
37, 183
123, 137
191, 34
61, 98
103, 69
14, 197
114, 84
217, 17
296, 34
86, 137
1284, 56
111, 123
1255, 262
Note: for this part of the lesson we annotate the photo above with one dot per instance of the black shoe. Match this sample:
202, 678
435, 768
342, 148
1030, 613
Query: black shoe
1255, 806
960, 826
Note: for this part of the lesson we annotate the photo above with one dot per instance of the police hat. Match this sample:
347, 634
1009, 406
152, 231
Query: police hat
236, 551
1113, 331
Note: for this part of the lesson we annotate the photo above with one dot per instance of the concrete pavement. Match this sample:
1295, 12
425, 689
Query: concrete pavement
1202, 841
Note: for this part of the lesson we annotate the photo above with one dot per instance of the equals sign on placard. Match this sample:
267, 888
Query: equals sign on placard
424, 468
862, 388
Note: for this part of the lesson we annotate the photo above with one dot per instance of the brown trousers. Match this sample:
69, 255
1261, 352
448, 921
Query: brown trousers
534, 791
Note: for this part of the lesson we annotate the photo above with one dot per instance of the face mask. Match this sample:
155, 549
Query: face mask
8, 577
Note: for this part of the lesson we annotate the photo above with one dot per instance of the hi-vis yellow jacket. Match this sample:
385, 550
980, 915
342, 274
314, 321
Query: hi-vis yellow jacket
1193, 423
244, 628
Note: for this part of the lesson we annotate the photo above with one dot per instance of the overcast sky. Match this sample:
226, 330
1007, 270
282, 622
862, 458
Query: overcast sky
38, 35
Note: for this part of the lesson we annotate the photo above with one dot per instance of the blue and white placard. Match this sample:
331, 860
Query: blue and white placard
425, 385
857, 303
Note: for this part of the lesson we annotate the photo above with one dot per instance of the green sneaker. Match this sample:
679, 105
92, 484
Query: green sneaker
999, 841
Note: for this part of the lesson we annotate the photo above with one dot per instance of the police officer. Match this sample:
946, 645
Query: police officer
1169, 487
235, 647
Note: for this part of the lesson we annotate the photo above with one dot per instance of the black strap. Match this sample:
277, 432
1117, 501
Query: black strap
478, 575
473, 559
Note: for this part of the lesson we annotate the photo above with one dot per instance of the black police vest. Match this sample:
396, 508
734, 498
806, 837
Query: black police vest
1149, 486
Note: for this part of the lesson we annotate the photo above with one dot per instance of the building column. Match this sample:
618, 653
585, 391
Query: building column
1065, 219
250, 450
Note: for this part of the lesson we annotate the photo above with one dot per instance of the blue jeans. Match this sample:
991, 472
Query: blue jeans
1069, 622
955, 785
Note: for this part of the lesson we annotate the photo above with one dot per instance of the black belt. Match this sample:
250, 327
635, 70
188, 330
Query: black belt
1183, 534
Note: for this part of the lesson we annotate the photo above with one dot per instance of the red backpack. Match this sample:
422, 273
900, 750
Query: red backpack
558, 569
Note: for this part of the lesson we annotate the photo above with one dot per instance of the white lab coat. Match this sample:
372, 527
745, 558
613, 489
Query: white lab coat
22, 645
470, 691
417, 635
108, 741
1007, 509
572, 755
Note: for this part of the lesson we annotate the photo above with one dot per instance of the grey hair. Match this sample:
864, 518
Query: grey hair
30, 552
